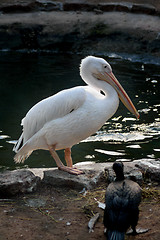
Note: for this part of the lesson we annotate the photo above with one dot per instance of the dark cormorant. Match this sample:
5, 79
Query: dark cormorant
122, 200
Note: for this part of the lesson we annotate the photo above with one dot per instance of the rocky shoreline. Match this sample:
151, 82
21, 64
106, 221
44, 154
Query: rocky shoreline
27, 180
80, 27
88, 27
98, 7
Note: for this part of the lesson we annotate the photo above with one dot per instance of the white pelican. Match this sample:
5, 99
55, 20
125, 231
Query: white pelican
70, 116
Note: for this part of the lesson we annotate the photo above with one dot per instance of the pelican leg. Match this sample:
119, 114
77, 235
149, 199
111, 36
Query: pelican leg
68, 157
60, 165
56, 157
69, 162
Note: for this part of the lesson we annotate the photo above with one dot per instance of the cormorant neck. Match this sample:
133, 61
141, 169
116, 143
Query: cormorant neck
119, 176
118, 169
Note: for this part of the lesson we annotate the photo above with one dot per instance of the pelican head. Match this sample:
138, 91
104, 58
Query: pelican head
97, 69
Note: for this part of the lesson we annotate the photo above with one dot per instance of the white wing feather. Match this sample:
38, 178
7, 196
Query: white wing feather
56, 106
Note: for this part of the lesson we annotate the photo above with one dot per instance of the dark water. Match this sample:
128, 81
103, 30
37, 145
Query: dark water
26, 78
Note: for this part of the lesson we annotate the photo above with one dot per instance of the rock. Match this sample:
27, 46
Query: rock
78, 7
35, 202
113, 6
94, 174
150, 168
47, 5
143, 8
39, 171
24, 181
88, 180
50, 5
30, 6
17, 8
18, 181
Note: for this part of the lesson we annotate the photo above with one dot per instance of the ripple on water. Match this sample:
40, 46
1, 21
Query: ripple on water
128, 119
119, 137
4, 136
134, 146
112, 153
156, 149
140, 132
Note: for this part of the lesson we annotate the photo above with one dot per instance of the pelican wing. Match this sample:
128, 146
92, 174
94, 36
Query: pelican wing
56, 106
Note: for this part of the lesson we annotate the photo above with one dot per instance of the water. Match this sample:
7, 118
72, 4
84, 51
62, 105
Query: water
26, 78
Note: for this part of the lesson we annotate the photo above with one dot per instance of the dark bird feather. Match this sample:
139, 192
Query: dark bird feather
122, 200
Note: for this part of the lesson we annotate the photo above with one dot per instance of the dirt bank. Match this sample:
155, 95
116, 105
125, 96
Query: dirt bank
57, 213
81, 31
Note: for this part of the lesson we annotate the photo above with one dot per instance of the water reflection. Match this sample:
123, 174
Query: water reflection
26, 78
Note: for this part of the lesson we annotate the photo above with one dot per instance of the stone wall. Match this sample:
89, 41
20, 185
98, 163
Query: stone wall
80, 26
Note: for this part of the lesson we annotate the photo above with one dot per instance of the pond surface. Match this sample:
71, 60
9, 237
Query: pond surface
26, 78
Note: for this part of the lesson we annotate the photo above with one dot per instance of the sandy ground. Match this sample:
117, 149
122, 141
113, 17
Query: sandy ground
63, 214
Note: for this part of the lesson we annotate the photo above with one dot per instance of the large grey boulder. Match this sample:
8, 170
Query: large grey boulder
18, 181
150, 168
58, 178
94, 173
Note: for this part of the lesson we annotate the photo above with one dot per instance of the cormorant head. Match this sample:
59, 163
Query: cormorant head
118, 169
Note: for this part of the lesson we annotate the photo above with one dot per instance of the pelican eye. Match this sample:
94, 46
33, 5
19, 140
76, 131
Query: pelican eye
101, 92
105, 68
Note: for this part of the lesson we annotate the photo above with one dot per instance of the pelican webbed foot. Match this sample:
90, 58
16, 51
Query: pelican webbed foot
71, 170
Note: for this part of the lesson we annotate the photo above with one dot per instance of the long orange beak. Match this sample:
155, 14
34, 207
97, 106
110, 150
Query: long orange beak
112, 80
